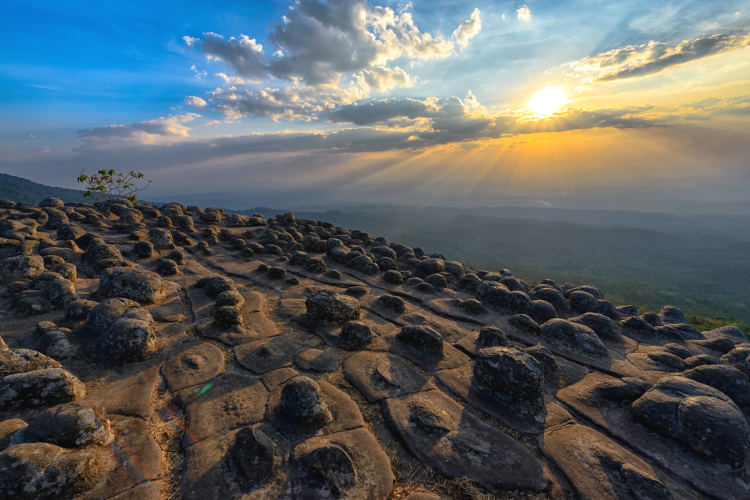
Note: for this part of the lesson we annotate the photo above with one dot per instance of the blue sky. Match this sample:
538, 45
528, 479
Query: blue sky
351, 101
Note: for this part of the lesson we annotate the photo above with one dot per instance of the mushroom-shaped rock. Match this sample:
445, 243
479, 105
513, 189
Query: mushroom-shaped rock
511, 374
214, 285
330, 306
69, 232
22, 267
50, 386
604, 327
302, 403
727, 379
423, 338
573, 339
228, 316
355, 335
491, 336
119, 331
699, 416
70, 425
142, 286
497, 296
554, 297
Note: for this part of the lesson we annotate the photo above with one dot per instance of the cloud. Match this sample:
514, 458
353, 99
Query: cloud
383, 79
231, 81
244, 54
319, 42
468, 29
654, 57
524, 14
196, 102
146, 131
288, 103
382, 111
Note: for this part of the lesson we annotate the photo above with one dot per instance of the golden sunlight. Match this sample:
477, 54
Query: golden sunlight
547, 101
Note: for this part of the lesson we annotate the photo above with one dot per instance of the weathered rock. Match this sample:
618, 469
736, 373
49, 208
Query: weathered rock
330, 306
498, 297
70, 425
422, 338
698, 416
215, 285
730, 381
554, 297
228, 316
79, 309
142, 286
118, 331
573, 339
604, 327
511, 374
45, 387
24, 360
23, 267
355, 335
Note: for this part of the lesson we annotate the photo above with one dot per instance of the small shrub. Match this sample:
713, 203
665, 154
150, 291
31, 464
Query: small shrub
109, 184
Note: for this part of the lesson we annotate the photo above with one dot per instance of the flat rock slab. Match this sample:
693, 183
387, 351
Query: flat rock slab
277, 378
600, 469
126, 391
455, 443
169, 311
133, 447
346, 414
379, 376
196, 365
372, 478
521, 418
265, 355
233, 400
316, 360
612, 415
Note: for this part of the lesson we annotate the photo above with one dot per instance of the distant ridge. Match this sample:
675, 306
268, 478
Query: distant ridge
18, 189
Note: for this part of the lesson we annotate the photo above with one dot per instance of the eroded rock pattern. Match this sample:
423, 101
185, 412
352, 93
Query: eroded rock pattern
177, 352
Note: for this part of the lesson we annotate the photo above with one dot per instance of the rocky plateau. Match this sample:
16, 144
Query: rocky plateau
166, 352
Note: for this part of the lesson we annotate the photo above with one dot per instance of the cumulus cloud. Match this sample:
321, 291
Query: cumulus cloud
244, 54
318, 42
289, 103
383, 79
149, 130
319, 50
523, 13
468, 29
196, 102
654, 57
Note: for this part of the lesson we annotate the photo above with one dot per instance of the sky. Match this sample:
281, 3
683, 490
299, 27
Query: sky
635, 105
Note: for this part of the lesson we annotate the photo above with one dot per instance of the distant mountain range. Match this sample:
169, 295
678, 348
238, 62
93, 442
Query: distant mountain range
19, 189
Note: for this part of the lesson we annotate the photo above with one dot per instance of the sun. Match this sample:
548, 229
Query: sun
547, 101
